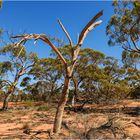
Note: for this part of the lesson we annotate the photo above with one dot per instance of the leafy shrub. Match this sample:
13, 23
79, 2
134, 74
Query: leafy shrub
135, 94
25, 126
28, 103
43, 108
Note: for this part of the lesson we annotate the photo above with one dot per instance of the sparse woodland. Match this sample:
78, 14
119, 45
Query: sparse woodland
76, 92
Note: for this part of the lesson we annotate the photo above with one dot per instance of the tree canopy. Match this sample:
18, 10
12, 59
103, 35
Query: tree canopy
123, 27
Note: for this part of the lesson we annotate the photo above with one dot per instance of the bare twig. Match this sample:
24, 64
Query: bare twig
133, 41
6, 81
65, 31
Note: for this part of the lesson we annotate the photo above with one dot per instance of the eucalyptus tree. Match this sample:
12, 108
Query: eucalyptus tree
68, 66
126, 76
130, 59
123, 30
15, 68
89, 61
123, 27
49, 71
113, 80
104, 82
38, 91
131, 64
0, 3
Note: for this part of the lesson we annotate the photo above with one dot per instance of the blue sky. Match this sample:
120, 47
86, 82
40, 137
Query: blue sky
41, 17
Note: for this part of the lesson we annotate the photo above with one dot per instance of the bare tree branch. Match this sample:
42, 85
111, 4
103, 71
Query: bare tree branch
20, 52
65, 31
6, 81
133, 41
42, 37
29, 66
89, 27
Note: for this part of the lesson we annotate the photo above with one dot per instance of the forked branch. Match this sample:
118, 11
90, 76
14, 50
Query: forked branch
42, 37
89, 27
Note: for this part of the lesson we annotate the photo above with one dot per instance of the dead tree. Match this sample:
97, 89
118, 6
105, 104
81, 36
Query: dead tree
75, 49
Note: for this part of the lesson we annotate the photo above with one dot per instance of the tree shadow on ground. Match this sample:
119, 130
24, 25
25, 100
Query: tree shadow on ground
132, 111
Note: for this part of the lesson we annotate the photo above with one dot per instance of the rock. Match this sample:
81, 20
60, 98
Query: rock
106, 131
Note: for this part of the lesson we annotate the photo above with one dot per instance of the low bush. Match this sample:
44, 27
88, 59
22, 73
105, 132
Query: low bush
43, 108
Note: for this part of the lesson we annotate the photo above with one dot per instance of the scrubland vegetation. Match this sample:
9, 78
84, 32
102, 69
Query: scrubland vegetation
76, 93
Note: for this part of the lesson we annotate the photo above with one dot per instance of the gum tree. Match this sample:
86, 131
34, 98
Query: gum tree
123, 28
14, 68
49, 73
67, 65
89, 61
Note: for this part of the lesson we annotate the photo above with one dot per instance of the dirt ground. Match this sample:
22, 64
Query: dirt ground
35, 121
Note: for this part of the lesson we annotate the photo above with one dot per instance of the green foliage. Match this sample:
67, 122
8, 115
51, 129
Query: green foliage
49, 72
29, 103
33, 57
18, 65
1, 32
123, 27
46, 68
135, 94
5, 66
43, 108
12, 51
99, 78
104, 84
25, 81
0, 3
96, 77
25, 126
18, 57
130, 59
